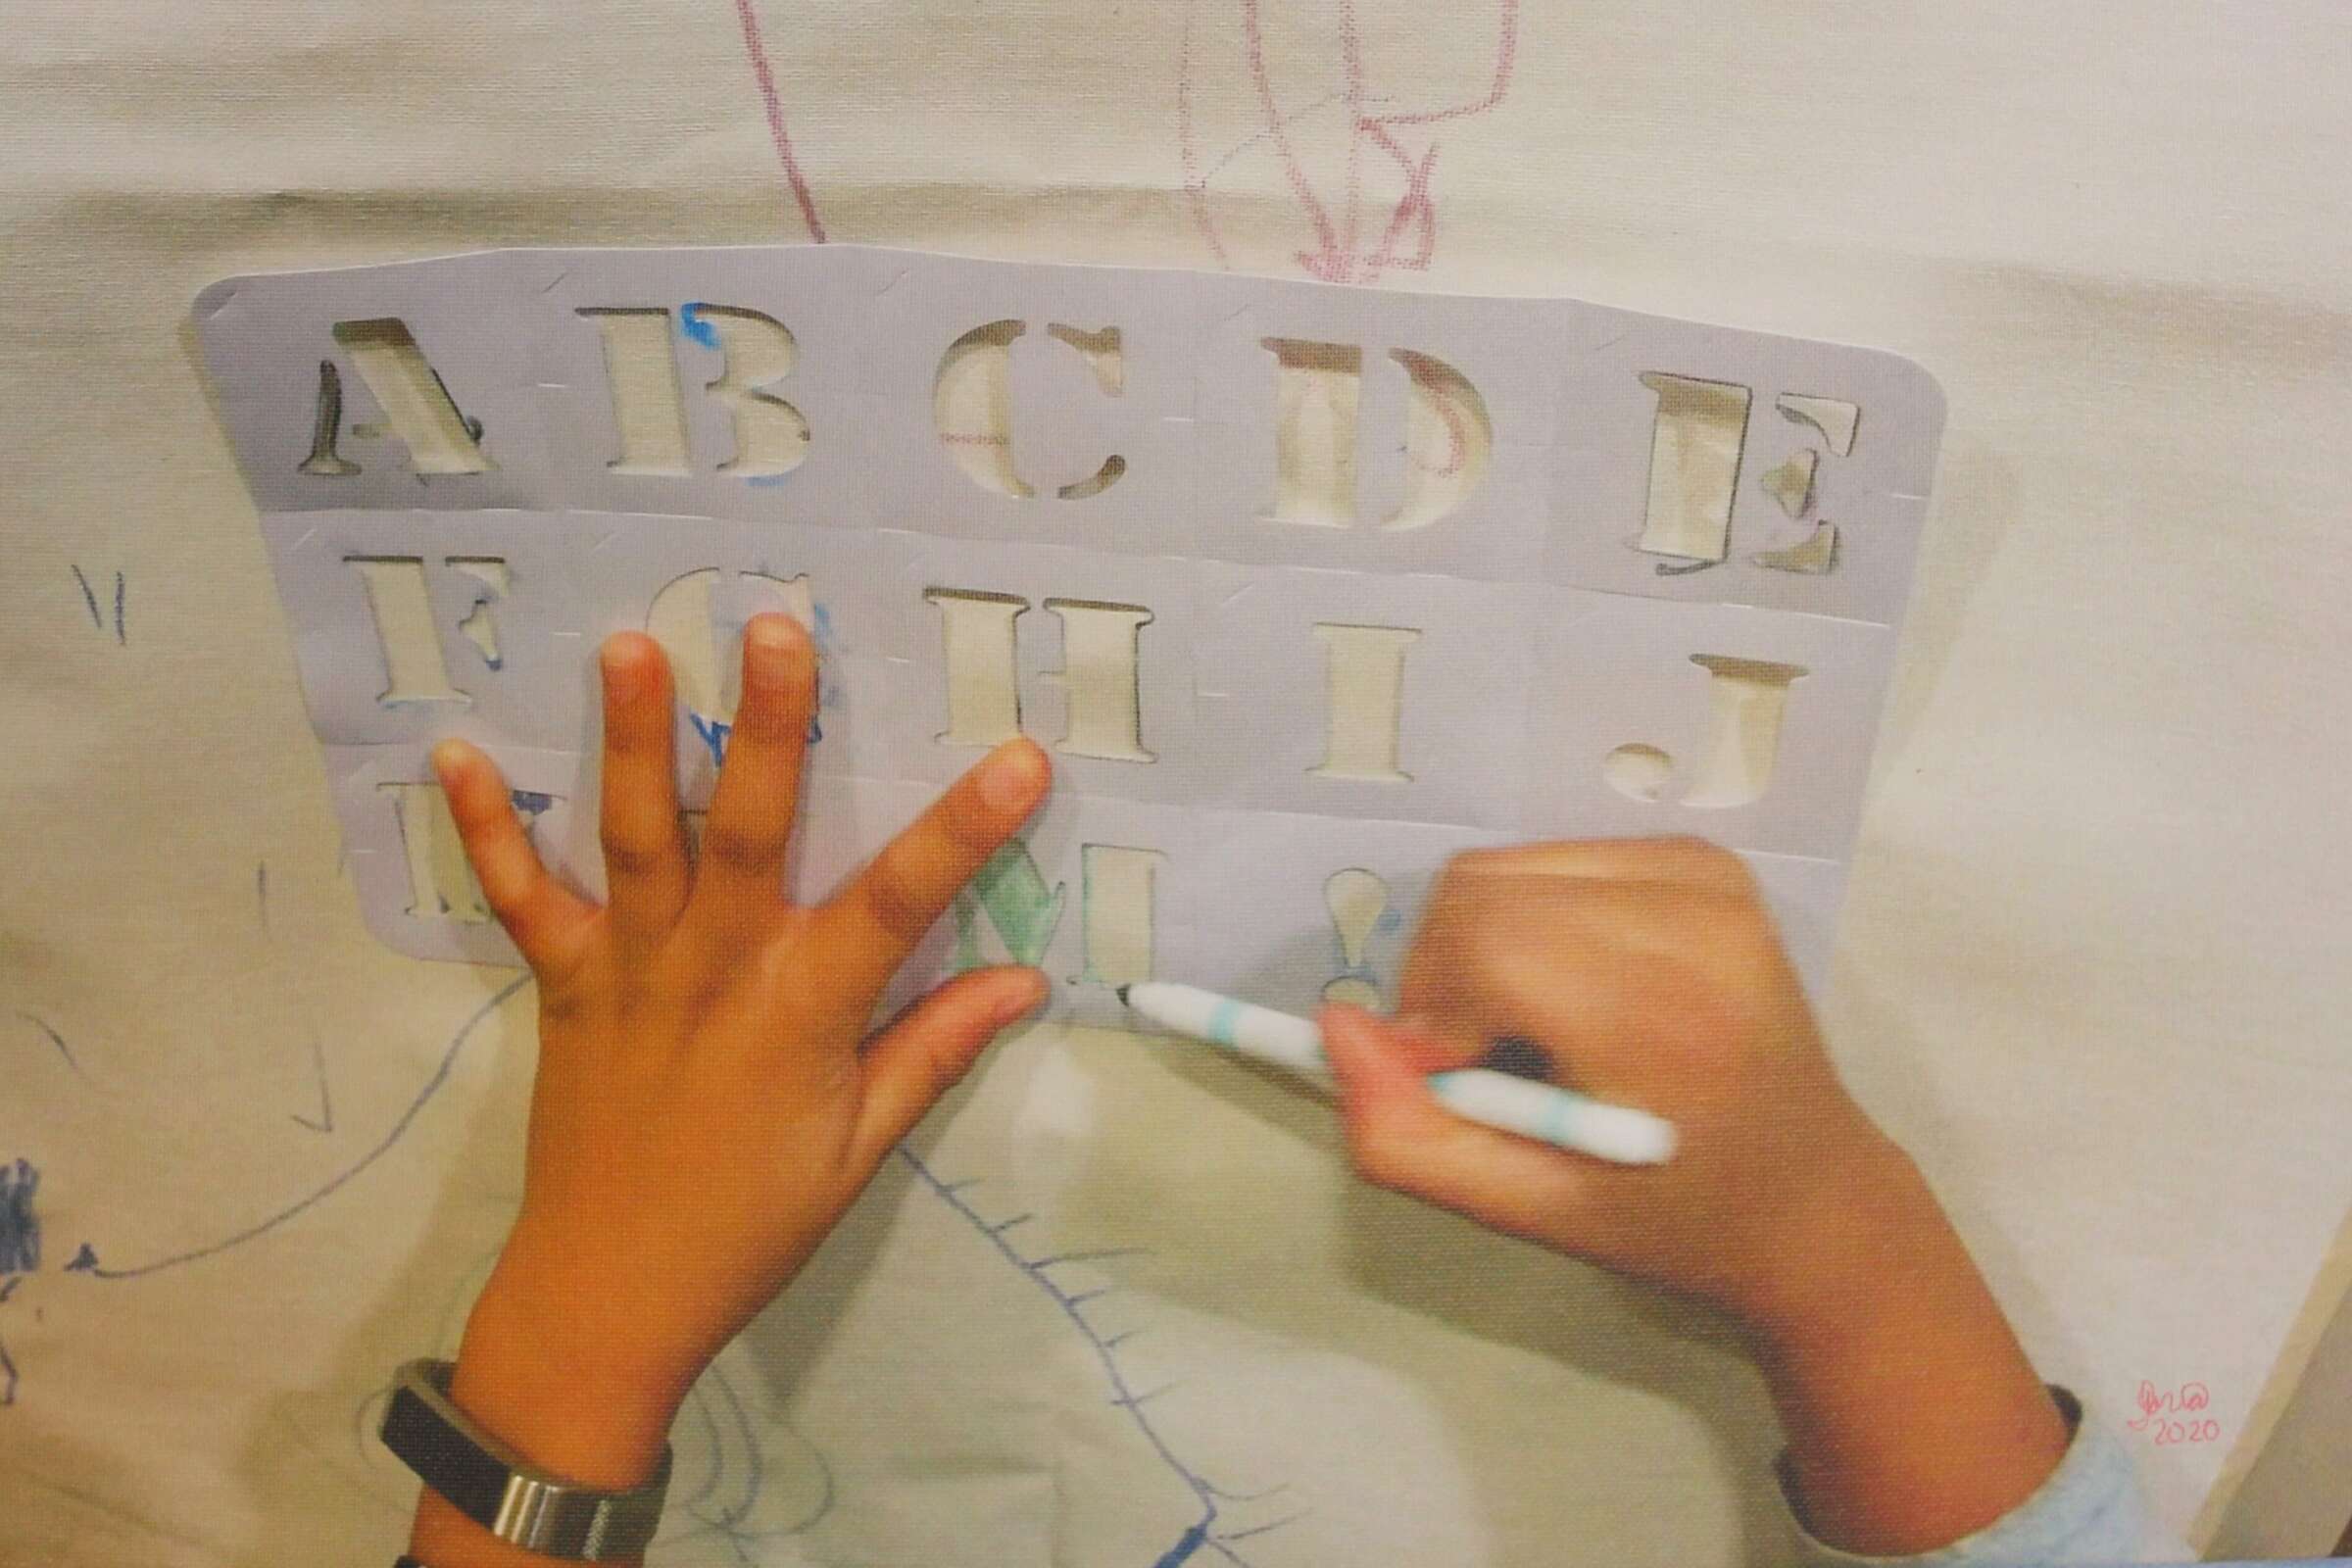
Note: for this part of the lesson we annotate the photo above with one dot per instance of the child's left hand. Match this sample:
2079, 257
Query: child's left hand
708, 1102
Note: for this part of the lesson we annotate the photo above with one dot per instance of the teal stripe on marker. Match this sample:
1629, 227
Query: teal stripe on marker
1222, 1021
1555, 1120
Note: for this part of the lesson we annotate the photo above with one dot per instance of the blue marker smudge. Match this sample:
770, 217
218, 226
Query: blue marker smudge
714, 733
530, 802
766, 481
1190, 1541
692, 323
20, 1226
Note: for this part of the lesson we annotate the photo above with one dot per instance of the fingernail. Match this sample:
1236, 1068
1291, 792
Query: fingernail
1339, 1024
617, 666
771, 633
448, 755
1010, 778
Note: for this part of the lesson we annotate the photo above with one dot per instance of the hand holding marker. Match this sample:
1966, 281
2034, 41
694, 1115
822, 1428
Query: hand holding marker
1499, 1100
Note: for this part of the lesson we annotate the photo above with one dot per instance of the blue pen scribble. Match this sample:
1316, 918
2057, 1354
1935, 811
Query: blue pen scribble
20, 1226
1391, 922
1202, 1533
692, 323
84, 1261
530, 803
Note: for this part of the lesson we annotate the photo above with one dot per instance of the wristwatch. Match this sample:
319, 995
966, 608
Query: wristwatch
493, 1486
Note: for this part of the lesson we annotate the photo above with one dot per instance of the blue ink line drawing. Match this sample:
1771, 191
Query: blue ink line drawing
20, 1226
87, 1261
725, 1519
120, 637
692, 323
58, 1041
261, 893
1202, 1534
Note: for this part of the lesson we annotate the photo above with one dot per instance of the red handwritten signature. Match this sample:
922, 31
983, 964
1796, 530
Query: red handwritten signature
2159, 1406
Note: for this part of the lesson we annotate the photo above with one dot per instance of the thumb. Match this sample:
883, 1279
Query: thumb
1402, 1137
928, 1049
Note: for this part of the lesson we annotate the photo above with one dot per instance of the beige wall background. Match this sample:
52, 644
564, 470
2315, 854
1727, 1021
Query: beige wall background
2092, 961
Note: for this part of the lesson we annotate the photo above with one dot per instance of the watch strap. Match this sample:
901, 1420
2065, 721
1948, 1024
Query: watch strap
496, 1487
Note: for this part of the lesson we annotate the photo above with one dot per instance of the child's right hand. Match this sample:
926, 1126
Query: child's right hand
1650, 974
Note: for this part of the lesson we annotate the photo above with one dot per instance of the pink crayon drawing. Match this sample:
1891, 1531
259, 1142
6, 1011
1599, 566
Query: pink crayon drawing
756, 51
1388, 153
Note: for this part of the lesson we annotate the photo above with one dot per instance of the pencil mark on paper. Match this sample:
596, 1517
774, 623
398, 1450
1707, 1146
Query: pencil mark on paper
325, 1120
65, 1051
89, 600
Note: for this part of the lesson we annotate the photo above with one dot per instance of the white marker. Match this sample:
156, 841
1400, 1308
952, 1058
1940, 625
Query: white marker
1498, 1100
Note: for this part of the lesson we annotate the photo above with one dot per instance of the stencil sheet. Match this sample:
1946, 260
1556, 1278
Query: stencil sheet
1304, 587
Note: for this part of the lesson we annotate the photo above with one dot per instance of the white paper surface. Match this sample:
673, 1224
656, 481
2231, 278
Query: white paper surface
2095, 919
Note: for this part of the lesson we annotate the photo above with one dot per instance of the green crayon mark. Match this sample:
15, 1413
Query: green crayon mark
967, 933
1013, 895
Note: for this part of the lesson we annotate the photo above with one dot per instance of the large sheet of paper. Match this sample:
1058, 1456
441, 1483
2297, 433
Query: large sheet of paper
2088, 969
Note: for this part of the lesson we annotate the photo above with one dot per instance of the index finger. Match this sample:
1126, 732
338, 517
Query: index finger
871, 925
1682, 860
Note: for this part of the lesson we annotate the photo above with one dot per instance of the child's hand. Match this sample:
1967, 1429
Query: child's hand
1651, 976
1649, 973
706, 1103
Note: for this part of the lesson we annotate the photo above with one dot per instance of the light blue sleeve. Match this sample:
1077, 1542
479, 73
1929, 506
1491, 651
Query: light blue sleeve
2089, 1511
